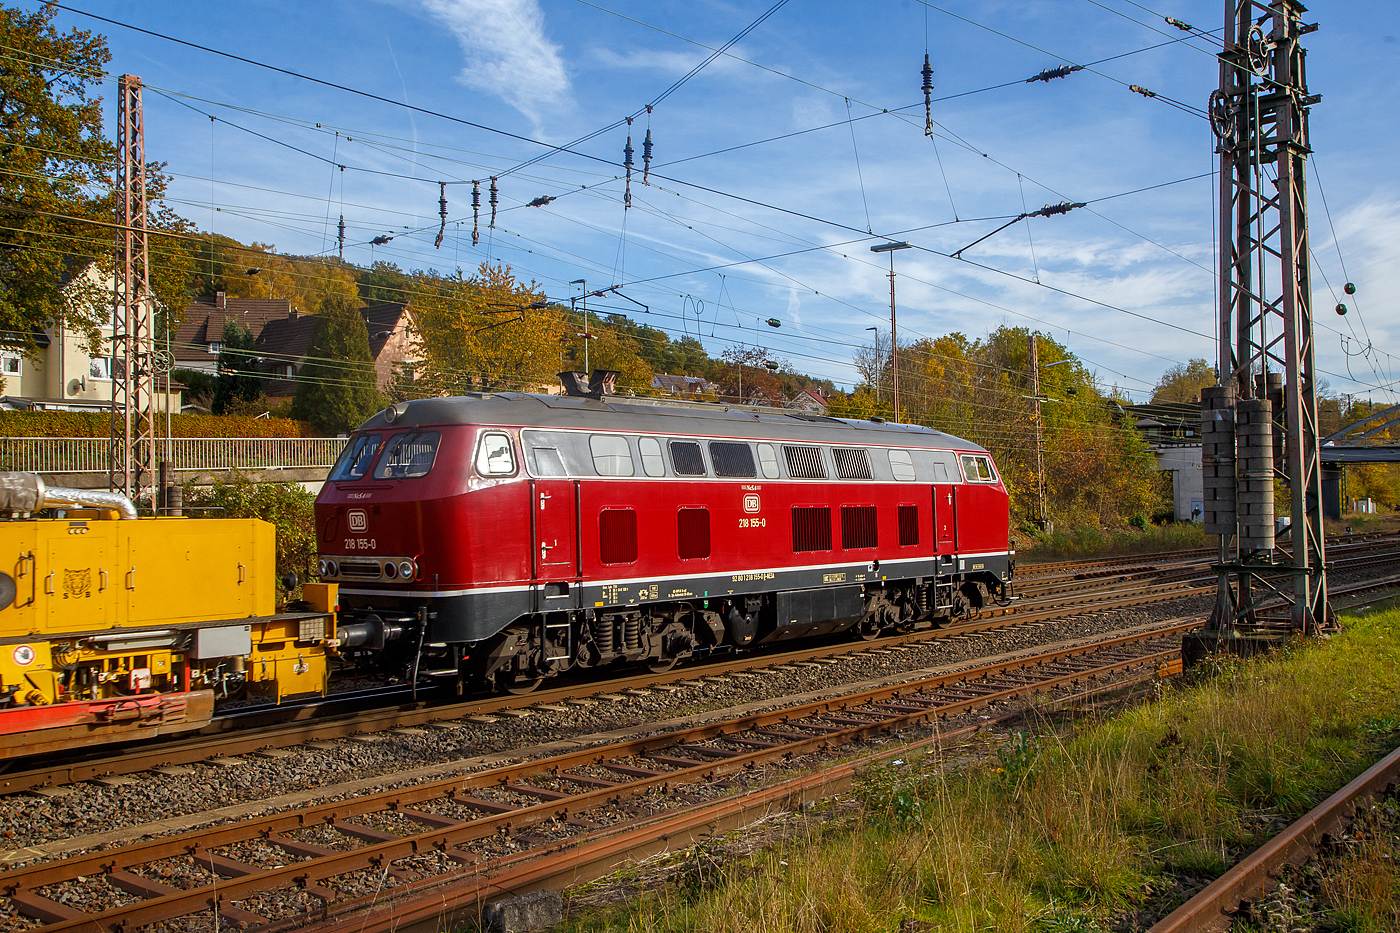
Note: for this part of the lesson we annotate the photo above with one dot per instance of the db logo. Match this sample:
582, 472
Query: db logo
358, 521
25, 655
750, 503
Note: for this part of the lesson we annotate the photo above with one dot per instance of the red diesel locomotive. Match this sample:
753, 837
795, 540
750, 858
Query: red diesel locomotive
509, 537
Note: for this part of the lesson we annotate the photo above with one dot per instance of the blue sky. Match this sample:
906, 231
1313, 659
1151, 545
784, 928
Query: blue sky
723, 240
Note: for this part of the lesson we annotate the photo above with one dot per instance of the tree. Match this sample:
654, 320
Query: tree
237, 386
484, 332
336, 386
1183, 382
57, 192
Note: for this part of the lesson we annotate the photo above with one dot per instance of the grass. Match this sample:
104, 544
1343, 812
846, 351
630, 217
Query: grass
1070, 831
1085, 543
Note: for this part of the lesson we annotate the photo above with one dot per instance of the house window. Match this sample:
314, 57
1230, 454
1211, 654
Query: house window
100, 367
9, 364
216, 348
289, 370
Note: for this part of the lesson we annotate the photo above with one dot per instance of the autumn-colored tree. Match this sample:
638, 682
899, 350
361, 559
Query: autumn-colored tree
484, 332
1183, 382
336, 385
224, 265
57, 200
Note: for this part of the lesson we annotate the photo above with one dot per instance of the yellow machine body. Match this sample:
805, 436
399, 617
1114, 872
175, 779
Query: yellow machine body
106, 608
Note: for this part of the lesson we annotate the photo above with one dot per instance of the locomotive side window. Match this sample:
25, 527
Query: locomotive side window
686, 459
357, 458
545, 461
811, 529
902, 466
805, 463
858, 527
978, 469
617, 536
693, 534
908, 525
940, 471
494, 456
768, 460
851, 462
408, 455
732, 459
652, 462
611, 455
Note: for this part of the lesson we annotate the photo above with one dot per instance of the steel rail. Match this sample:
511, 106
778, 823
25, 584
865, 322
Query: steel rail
805, 729
1256, 875
205, 746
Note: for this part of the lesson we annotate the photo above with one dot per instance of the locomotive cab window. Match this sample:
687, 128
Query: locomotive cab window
653, 464
686, 458
732, 459
408, 455
357, 458
494, 456
545, 461
768, 461
978, 469
902, 465
611, 455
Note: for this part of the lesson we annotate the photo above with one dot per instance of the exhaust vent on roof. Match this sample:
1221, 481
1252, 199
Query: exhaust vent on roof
603, 382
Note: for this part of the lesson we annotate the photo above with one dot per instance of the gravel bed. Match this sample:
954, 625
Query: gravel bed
325, 836
33, 820
259, 853
387, 821
180, 871
90, 895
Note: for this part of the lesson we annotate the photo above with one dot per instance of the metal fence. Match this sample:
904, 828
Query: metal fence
188, 454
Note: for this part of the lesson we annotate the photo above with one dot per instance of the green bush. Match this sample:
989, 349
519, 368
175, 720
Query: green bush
98, 424
286, 505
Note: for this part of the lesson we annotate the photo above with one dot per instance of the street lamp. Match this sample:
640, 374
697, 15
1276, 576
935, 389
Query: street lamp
894, 332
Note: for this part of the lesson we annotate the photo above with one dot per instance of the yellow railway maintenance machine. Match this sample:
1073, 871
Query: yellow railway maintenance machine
119, 628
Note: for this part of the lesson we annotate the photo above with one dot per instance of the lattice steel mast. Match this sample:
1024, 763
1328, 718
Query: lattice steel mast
1260, 422
132, 467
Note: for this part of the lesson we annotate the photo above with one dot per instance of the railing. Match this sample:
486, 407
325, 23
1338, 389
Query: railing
187, 454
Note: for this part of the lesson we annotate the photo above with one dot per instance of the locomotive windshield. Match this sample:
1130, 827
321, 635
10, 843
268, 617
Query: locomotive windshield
357, 458
408, 455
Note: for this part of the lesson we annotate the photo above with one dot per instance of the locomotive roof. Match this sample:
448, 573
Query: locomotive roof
661, 416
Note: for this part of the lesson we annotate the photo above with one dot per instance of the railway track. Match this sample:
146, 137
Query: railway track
1211, 910
396, 856
243, 734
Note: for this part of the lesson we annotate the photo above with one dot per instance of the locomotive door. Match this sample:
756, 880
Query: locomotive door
945, 517
555, 527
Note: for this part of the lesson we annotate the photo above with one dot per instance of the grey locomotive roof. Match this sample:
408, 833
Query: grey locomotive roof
660, 416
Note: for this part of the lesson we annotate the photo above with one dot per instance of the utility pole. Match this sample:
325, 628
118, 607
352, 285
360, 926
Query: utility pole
1260, 422
1039, 429
132, 462
894, 330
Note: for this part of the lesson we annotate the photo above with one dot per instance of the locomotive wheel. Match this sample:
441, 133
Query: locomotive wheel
661, 665
868, 629
519, 686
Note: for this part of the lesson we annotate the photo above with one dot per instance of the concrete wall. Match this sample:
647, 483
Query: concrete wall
1184, 462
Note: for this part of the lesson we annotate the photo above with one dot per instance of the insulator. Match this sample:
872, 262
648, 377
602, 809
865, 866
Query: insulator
1173, 21
1063, 71
1341, 308
646, 158
928, 100
928, 75
1349, 288
340, 237
494, 201
476, 212
442, 214
627, 164
1141, 90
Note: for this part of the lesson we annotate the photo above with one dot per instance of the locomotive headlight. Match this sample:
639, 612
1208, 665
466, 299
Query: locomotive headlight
332, 568
391, 570
407, 570
321, 568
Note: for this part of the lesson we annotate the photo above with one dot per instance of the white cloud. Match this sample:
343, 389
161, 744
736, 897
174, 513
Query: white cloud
508, 54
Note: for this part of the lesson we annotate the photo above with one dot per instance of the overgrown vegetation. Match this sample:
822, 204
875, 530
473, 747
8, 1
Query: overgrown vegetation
1074, 831
99, 424
1086, 542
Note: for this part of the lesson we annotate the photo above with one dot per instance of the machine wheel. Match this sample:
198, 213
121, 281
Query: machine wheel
519, 686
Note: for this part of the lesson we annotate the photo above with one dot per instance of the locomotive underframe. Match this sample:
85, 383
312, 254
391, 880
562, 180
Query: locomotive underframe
532, 633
